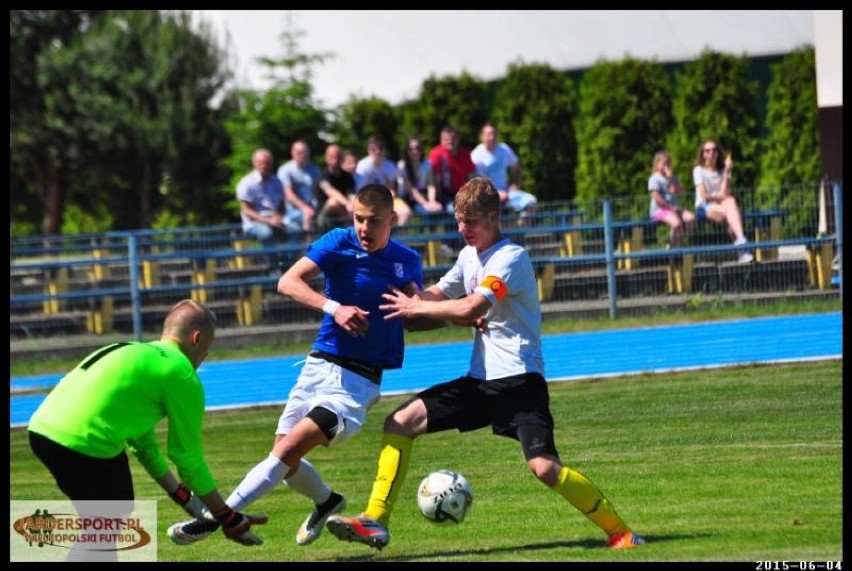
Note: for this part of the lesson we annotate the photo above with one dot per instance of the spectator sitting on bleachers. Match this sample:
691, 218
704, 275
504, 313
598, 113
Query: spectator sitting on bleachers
451, 168
335, 191
261, 197
350, 164
665, 189
299, 176
495, 159
713, 198
414, 175
376, 169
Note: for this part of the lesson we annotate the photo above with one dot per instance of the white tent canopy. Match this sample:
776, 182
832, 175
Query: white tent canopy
388, 53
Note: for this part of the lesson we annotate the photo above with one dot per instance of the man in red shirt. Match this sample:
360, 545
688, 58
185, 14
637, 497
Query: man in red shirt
451, 168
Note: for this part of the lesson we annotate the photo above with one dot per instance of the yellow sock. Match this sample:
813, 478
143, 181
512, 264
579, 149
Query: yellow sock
393, 465
587, 498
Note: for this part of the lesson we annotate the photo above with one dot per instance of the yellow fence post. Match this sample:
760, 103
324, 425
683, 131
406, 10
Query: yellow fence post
150, 271
766, 234
432, 253
240, 262
150, 274
58, 284
633, 243
680, 275
100, 320
545, 281
819, 259
573, 240
202, 276
250, 308
100, 271
573, 244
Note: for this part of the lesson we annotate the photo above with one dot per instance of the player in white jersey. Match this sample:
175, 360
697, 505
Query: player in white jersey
492, 288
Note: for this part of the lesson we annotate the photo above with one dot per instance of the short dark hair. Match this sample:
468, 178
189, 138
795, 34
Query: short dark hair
375, 195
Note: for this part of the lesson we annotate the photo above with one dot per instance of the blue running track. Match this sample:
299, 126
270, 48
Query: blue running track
233, 384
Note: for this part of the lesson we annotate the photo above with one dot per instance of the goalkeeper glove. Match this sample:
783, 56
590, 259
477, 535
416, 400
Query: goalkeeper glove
237, 526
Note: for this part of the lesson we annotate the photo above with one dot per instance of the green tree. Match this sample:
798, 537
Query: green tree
360, 119
121, 99
39, 157
457, 101
625, 115
534, 109
714, 98
197, 101
791, 157
276, 117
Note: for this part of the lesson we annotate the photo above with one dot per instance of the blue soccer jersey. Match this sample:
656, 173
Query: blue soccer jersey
356, 277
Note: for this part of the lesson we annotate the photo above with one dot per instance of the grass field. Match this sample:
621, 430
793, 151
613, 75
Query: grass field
738, 464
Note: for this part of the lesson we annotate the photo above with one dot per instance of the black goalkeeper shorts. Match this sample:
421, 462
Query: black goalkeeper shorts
82, 477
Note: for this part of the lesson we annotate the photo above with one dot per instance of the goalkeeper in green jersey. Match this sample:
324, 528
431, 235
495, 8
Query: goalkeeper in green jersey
114, 399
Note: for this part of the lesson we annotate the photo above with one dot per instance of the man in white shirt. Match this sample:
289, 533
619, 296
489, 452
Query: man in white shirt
498, 161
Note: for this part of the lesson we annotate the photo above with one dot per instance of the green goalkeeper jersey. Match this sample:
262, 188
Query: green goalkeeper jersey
114, 399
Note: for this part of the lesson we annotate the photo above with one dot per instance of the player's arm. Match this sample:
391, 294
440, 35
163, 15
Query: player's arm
147, 451
184, 404
294, 284
424, 323
466, 310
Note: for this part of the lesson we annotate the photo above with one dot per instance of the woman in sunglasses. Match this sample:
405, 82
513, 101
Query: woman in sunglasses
713, 198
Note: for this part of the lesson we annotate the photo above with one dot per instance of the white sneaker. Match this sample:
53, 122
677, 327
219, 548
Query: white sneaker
745, 258
312, 527
189, 532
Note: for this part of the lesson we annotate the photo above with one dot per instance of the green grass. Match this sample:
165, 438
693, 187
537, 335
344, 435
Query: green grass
700, 310
740, 464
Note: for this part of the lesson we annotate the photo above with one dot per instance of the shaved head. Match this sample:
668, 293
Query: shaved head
192, 326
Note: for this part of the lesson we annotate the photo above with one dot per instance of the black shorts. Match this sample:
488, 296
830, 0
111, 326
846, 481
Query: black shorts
82, 477
507, 405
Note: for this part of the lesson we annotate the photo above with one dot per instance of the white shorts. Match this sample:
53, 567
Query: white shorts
348, 395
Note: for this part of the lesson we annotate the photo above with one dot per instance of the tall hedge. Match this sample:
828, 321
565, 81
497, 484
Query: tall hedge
625, 115
534, 111
791, 152
360, 119
459, 101
715, 98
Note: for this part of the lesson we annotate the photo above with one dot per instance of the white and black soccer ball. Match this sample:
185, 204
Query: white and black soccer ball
444, 496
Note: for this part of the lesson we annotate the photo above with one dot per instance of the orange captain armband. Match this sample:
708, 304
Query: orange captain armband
496, 285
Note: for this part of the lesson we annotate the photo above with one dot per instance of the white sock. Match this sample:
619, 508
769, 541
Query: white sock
308, 482
260, 479
740, 240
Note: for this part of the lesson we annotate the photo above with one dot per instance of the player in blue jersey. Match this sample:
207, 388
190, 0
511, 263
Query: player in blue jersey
342, 373
492, 286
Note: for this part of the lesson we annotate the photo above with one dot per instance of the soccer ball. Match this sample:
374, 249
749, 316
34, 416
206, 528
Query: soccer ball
444, 496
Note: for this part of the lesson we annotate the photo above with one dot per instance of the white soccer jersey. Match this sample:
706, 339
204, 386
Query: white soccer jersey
504, 274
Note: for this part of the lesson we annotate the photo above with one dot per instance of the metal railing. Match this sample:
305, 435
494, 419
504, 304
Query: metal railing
125, 281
